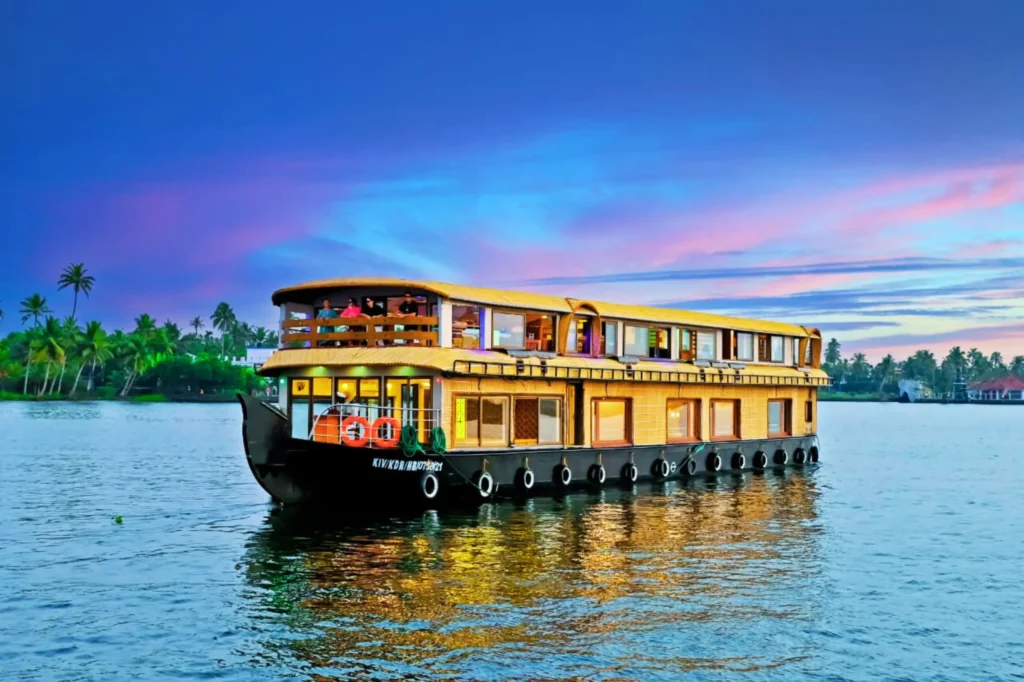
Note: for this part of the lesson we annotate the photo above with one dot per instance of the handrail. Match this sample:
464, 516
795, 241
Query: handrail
362, 330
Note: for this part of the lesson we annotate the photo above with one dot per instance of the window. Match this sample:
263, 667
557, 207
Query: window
687, 340
778, 354
796, 351
762, 348
538, 421
611, 422
778, 418
706, 346
808, 411
609, 338
683, 418
807, 353
658, 342
465, 326
540, 332
745, 347
579, 336
725, 416
508, 331
635, 341
481, 421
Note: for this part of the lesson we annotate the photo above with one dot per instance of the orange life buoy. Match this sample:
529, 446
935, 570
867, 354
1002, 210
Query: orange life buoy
396, 430
364, 436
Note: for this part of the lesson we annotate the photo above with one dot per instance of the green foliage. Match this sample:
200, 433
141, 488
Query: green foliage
150, 398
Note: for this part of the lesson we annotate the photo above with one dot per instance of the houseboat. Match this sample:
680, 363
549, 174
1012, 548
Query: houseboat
424, 392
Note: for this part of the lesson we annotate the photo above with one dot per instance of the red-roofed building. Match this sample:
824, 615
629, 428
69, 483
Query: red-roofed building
1006, 388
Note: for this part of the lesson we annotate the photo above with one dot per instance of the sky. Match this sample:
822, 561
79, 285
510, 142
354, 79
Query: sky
853, 166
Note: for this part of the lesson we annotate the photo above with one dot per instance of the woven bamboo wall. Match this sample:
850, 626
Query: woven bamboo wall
649, 403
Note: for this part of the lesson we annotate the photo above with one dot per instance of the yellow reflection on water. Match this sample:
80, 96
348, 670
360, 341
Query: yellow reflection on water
438, 590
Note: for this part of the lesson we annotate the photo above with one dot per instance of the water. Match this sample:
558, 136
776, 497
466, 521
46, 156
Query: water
900, 557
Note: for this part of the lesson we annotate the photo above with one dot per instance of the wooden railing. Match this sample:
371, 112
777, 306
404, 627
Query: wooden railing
359, 331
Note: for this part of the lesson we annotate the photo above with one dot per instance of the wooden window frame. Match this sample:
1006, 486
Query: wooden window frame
687, 337
561, 420
809, 411
595, 431
650, 348
480, 441
695, 420
736, 419
787, 417
603, 351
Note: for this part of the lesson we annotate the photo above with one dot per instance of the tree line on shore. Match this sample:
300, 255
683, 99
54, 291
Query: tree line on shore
57, 357
857, 375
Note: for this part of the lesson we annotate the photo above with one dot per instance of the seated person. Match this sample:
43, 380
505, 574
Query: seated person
409, 308
372, 309
352, 309
327, 312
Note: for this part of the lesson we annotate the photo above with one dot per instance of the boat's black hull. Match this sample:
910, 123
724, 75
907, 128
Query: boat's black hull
296, 471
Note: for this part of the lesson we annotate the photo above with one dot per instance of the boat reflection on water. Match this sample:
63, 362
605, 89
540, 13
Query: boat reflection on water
710, 575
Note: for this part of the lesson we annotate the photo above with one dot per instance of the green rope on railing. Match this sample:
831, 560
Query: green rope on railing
410, 441
438, 441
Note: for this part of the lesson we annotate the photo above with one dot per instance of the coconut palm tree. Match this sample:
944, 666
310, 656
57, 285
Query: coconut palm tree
32, 307
35, 307
74, 276
224, 320
71, 339
49, 348
145, 325
1017, 365
138, 355
95, 349
885, 371
196, 324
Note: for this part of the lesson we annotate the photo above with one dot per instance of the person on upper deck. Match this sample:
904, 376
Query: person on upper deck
327, 312
409, 306
352, 309
370, 308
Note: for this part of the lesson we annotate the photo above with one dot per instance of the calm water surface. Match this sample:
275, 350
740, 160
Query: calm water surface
900, 557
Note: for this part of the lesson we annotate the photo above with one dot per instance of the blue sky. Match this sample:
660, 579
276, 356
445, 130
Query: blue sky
854, 166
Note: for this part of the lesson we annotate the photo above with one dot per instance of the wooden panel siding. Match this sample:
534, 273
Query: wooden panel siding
650, 400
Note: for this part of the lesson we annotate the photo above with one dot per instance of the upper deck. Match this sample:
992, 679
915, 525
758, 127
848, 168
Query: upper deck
525, 328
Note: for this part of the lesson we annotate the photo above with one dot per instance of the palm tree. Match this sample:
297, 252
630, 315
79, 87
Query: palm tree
832, 353
74, 276
145, 325
196, 324
223, 319
885, 371
48, 347
860, 369
138, 356
95, 349
35, 307
71, 338
1017, 365
261, 337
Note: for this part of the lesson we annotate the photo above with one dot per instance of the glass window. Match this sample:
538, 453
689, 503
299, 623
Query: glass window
778, 417
579, 336
745, 347
635, 341
807, 353
658, 342
508, 331
465, 326
550, 427
540, 332
796, 351
609, 338
299, 416
706, 346
683, 416
467, 421
724, 415
493, 427
687, 340
777, 349
611, 424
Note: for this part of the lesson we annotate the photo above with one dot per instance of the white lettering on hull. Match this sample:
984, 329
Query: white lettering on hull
407, 465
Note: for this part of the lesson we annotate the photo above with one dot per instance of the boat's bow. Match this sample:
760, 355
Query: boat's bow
265, 434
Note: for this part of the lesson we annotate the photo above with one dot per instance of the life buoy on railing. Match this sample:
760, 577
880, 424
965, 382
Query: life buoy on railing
364, 434
379, 440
